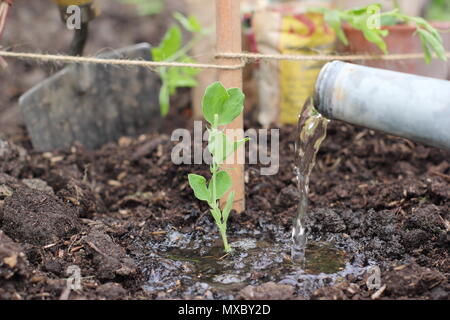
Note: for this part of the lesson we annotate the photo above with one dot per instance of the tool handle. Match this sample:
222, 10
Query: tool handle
89, 10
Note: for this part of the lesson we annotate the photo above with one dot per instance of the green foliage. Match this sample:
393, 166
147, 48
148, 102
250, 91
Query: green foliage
220, 107
439, 10
227, 104
147, 7
171, 49
369, 21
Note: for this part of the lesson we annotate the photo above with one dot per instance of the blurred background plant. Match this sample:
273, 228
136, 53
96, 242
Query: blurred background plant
147, 7
171, 49
439, 10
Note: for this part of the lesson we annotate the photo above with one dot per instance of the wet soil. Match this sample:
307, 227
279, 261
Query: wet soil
127, 218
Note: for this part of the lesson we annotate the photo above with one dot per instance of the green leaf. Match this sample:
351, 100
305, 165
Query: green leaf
363, 10
164, 98
217, 216
240, 143
170, 44
232, 107
388, 20
422, 23
183, 82
195, 24
213, 100
198, 184
333, 18
178, 79
227, 104
222, 184
157, 54
426, 50
376, 38
431, 42
227, 209
190, 24
189, 71
220, 146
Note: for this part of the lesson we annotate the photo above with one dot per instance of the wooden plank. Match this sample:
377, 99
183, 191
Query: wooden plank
229, 39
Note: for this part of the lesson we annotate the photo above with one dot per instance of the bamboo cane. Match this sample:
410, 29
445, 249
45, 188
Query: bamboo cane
229, 39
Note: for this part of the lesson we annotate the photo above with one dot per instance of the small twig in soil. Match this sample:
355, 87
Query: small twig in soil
445, 222
224, 256
378, 294
442, 175
76, 249
69, 249
400, 268
157, 233
50, 246
93, 246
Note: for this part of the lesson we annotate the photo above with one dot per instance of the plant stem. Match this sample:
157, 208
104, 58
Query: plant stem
214, 169
223, 233
185, 49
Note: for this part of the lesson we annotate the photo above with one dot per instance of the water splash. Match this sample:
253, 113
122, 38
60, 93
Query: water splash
312, 130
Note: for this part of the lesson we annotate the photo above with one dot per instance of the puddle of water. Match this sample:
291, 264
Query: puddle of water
312, 131
185, 265
322, 258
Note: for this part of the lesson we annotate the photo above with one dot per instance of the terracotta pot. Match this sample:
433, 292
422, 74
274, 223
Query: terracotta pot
401, 39
411, 8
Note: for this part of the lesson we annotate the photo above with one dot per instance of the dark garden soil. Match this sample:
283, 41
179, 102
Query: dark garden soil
127, 218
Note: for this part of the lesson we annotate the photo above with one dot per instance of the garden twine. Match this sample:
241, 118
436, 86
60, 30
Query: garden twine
244, 57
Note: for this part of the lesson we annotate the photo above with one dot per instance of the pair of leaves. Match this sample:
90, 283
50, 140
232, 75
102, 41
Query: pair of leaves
204, 192
221, 106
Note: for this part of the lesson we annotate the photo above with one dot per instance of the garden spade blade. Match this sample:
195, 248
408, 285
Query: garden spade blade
93, 104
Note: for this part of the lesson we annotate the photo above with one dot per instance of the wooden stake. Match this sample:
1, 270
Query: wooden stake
229, 39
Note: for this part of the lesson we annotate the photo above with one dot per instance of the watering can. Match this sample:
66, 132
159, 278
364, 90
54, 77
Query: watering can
404, 105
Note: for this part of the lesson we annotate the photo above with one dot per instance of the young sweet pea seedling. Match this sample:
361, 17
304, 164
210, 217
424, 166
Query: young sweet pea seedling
220, 107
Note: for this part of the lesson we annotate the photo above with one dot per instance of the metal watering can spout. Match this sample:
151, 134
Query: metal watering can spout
403, 105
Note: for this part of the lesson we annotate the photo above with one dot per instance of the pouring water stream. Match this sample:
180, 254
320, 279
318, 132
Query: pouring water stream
312, 131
